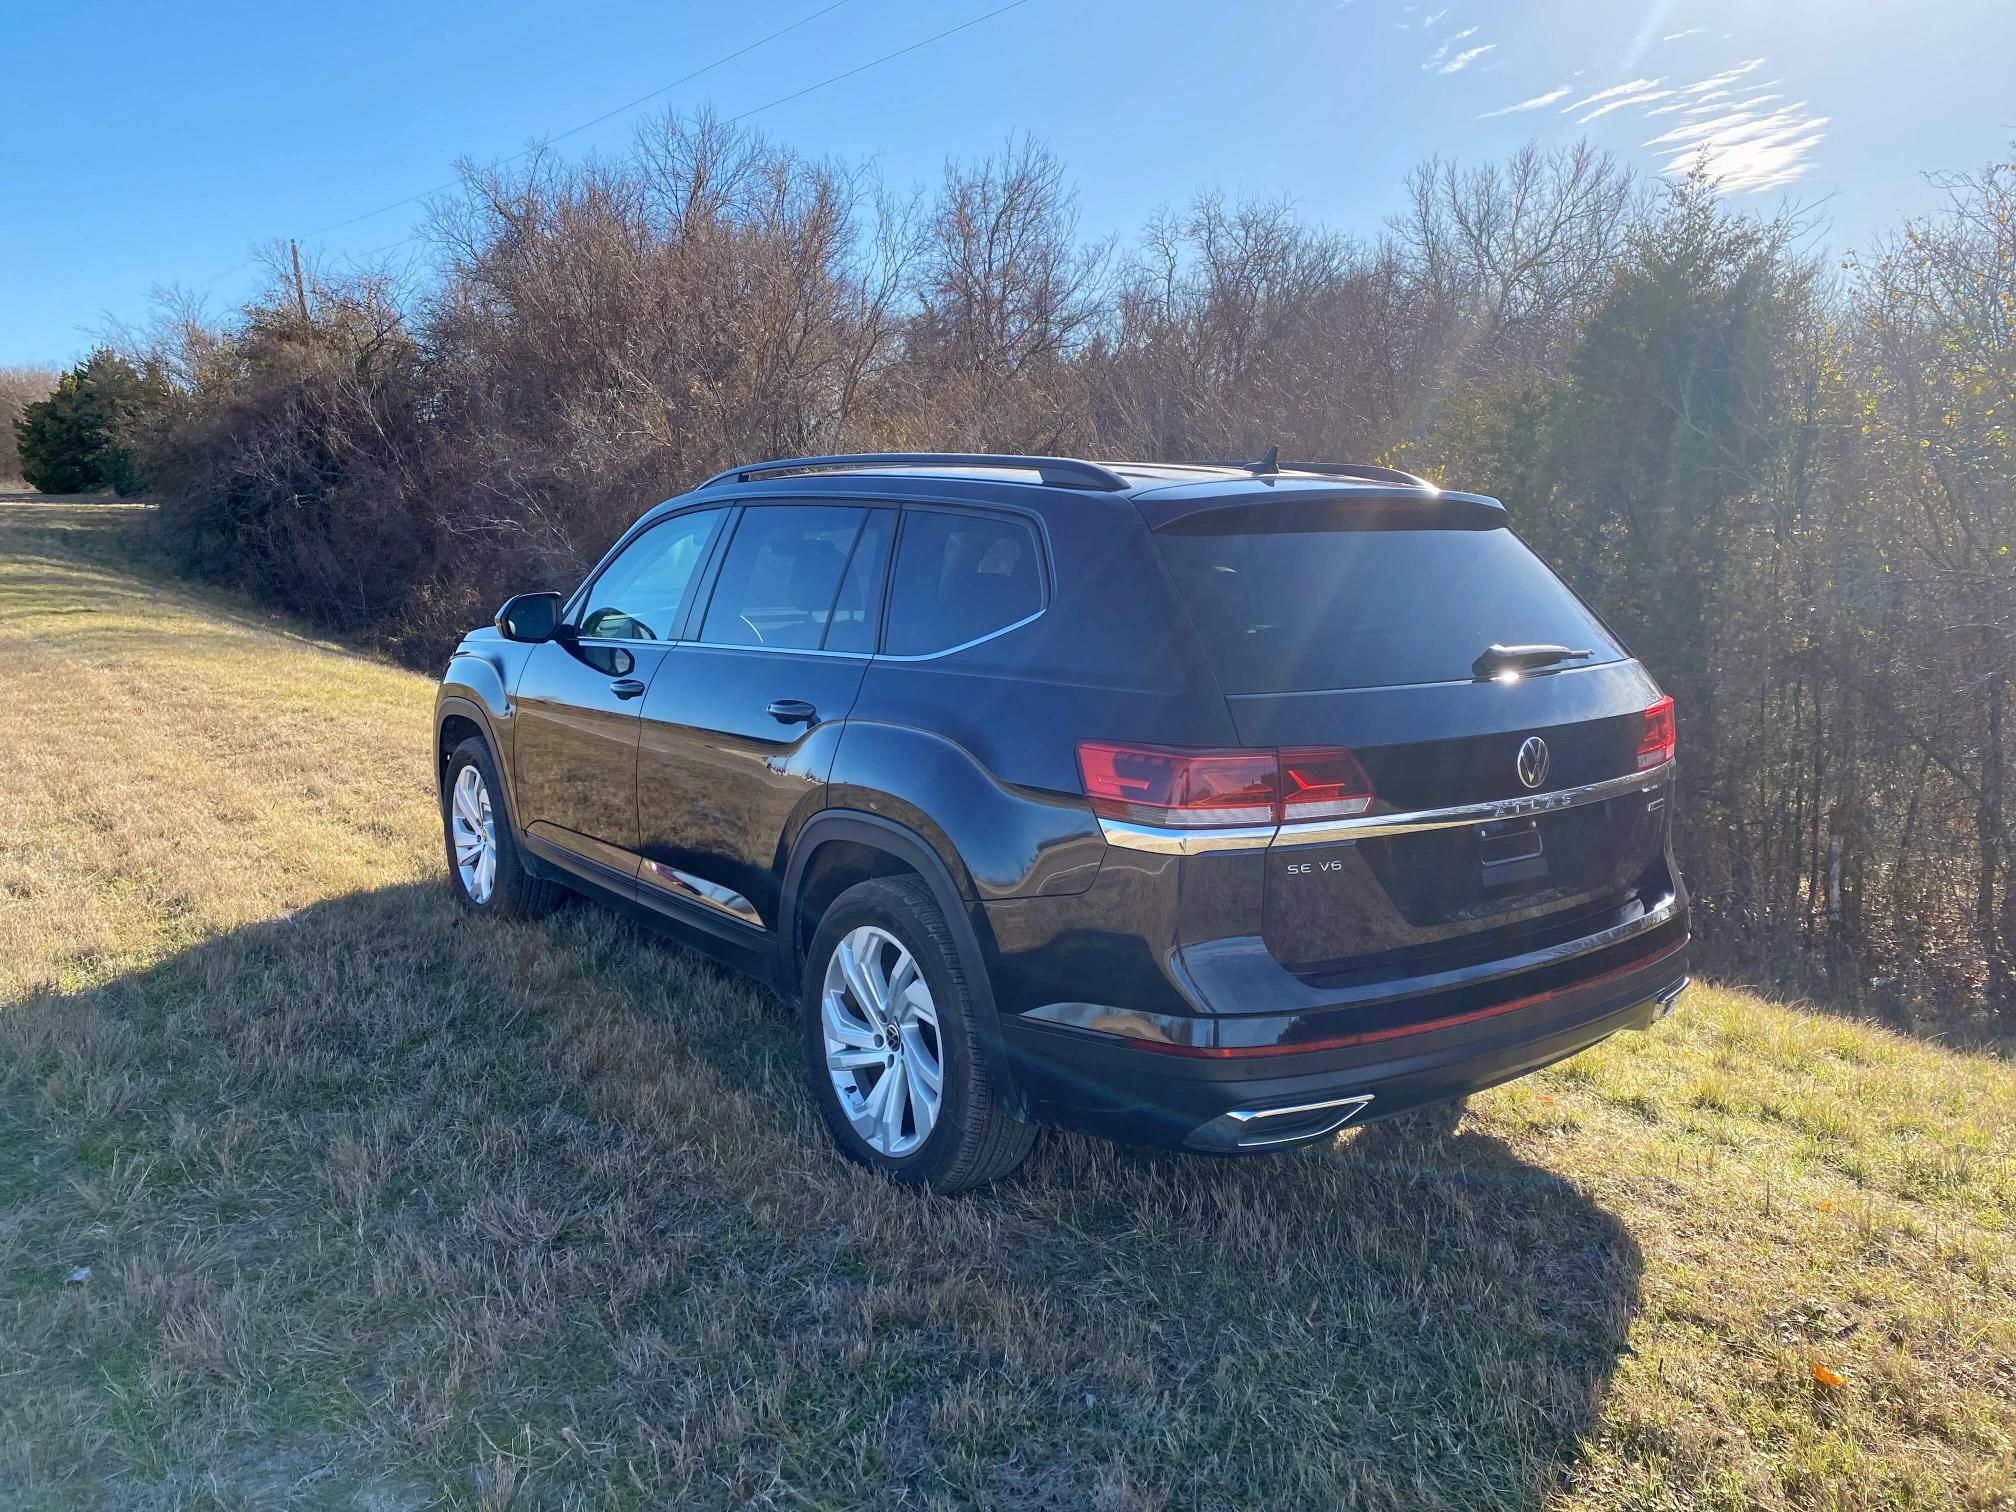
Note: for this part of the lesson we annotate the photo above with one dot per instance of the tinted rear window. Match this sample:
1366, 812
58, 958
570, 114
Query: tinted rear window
1297, 611
959, 578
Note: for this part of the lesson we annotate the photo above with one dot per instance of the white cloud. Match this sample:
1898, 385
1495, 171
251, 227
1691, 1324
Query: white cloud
1464, 59
1441, 54
1538, 102
1612, 92
1746, 149
1692, 31
1727, 76
1623, 100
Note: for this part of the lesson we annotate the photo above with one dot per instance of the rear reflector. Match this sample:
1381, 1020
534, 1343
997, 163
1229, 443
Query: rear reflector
1190, 789
1655, 740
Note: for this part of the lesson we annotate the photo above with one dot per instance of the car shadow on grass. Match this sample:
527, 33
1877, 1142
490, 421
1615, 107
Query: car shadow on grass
479, 1206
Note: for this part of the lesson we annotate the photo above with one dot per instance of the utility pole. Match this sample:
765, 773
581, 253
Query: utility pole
300, 288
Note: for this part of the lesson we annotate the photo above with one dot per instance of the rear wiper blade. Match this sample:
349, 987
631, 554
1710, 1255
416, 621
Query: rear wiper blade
1523, 659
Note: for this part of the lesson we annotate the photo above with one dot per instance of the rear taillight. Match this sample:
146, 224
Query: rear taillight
1322, 784
1655, 738
1204, 789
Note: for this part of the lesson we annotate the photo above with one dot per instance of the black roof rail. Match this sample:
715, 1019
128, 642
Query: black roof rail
1060, 472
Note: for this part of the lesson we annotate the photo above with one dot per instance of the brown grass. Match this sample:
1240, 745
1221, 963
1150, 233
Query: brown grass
385, 1207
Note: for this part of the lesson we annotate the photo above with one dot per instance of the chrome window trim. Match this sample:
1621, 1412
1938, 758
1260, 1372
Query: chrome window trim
981, 640
699, 645
1045, 573
1169, 841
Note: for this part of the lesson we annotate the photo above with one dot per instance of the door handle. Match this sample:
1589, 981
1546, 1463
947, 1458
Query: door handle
794, 711
626, 687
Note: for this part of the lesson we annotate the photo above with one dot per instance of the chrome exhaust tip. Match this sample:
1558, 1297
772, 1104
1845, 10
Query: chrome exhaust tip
1669, 999
1256, 1128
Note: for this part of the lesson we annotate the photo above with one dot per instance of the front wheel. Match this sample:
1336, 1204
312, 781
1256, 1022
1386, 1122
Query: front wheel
893, 1048
484, 865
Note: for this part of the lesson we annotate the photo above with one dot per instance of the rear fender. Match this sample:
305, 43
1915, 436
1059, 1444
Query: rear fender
965, 919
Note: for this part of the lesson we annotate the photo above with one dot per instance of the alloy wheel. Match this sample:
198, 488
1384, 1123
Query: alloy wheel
883, 1047
473, 832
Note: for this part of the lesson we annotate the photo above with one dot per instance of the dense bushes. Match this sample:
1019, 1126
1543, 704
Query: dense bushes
1797, 498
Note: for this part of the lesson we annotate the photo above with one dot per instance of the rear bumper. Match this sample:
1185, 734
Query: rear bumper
1229, 1101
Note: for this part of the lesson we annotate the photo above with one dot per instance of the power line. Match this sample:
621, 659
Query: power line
796, 94
412, 199
570, 131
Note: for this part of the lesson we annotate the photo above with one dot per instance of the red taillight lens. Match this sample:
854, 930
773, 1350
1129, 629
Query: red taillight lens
1200, 789
1322, 784
1158, 785
1655, 740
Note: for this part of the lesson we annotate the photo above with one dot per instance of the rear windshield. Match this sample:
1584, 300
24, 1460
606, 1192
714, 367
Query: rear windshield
1301, 610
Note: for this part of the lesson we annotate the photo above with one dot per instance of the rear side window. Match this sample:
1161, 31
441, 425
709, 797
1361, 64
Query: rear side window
958, 579
781, 576
1297, 611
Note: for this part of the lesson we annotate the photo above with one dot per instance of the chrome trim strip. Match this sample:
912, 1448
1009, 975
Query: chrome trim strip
1185, 842
978, 640
1168, 841
1244, 1119
684, 884
1373, 826
1669, 998
700, 645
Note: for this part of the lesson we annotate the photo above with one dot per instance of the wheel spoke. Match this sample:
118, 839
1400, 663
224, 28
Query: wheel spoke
468, 849
903, 977
924, 1067
890, 1121
867, 995
856, 1034
868, 1118
854, 1060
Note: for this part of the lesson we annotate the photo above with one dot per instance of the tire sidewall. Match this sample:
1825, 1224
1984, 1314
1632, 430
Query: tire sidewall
957, 1048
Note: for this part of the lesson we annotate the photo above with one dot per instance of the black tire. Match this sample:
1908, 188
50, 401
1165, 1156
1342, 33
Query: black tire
517, 893
974, 1140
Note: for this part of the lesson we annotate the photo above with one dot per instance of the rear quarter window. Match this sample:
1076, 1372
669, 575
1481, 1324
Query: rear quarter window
1298, 611
960, 578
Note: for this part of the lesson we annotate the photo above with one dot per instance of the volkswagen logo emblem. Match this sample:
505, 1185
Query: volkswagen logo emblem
1533, 760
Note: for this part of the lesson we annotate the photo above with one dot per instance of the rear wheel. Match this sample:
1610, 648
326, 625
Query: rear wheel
893, 1047
485, 866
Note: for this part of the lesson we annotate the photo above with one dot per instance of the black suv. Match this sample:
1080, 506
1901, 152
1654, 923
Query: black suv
1211, 807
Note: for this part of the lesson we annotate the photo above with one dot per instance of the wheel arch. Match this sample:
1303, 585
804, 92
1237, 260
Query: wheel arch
456, 718
897, 850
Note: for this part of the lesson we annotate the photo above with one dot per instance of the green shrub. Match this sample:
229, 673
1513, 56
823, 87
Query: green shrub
73, 441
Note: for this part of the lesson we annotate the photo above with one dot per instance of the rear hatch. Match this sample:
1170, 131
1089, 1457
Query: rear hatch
1365, 620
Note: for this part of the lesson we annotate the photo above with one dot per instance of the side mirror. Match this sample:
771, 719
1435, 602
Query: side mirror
532, 617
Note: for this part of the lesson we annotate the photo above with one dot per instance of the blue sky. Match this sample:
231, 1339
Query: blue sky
164, 144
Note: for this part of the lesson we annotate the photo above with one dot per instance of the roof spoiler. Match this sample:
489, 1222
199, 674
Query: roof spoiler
1366, 507
1370, 472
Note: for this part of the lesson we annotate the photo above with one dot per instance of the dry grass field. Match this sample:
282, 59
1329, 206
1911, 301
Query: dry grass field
385, 1208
